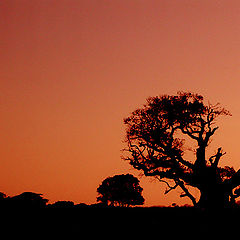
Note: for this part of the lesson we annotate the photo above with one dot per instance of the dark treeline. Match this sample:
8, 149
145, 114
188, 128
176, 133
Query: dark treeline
33, 200
31, 211
37, 201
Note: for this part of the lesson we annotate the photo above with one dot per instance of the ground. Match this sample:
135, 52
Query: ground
95, 221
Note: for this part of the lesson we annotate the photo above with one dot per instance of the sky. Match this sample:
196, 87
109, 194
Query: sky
71, 71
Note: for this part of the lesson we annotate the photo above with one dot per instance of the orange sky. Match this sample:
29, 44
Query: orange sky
72, 70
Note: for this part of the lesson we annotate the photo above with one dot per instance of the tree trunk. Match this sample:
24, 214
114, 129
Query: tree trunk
214, 192
214, 196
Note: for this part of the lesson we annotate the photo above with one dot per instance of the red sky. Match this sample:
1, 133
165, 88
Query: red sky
72, 70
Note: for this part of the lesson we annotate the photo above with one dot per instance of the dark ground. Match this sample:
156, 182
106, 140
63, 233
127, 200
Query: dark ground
119, 222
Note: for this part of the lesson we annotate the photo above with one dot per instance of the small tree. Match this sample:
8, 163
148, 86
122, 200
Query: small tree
29, 199
120, 190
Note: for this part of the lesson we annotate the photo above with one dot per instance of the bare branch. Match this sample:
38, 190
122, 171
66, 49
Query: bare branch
190, 134
170, 188
187, 193
209, 134
217, 157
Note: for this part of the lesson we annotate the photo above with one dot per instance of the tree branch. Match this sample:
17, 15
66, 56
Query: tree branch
209, 134
190, 134
185, 162
187, 193
181, 184
217, 157
170, 188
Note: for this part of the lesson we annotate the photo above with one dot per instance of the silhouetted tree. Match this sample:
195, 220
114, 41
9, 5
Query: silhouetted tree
120, 190
28, 199
156, 137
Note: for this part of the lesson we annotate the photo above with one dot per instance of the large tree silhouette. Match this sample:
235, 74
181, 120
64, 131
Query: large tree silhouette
120, 190
156, 137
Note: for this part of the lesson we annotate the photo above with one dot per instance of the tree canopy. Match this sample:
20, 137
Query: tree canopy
156, 135
29, 199
120, 190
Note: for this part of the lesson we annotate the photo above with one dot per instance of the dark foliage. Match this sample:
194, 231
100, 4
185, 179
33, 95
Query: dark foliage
62, 204
120, 190
31, 198
24, 200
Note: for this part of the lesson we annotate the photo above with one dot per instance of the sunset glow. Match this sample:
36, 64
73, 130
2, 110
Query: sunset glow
71, 71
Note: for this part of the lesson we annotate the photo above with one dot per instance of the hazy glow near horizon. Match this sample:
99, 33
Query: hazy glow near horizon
72, 70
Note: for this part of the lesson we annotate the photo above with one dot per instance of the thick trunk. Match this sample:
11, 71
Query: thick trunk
201, 158
214, 193
214, 196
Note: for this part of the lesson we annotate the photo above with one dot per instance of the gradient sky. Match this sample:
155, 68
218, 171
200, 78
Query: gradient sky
72, 70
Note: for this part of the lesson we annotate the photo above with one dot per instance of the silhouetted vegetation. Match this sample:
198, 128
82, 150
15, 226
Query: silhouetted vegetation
28, 199
64, 218
155, 138
156, 135
62, 204
23, 201
120, 190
